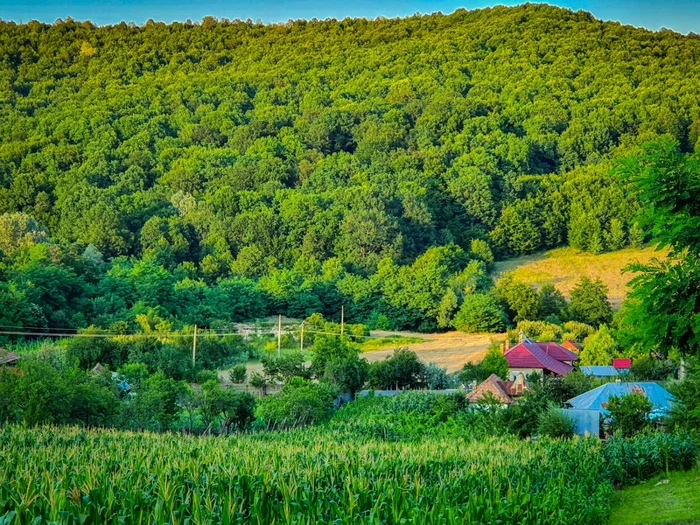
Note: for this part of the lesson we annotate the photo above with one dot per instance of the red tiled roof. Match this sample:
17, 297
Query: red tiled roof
622, 363
558, 352
533, 355
502, 390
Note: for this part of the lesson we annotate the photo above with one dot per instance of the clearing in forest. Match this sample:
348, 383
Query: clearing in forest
564, 267
449, 350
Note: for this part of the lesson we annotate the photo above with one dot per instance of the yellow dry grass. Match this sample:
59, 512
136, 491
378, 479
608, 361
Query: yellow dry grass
564, 267
449, 350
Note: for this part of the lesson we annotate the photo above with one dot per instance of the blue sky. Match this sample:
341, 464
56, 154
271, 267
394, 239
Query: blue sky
680, 15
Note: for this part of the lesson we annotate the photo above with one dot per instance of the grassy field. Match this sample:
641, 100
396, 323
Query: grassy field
655, 502
564, 267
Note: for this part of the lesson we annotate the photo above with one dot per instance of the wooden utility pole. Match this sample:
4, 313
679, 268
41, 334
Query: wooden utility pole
194, 347
279, 336
301, 348
342, 320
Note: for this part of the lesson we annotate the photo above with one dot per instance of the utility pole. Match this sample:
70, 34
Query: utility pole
342, 320
301, 348
279, 336
194, 347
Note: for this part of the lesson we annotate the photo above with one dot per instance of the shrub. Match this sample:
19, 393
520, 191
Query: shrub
436, 378
238, 374
556, 423
285, 367
401, 370
204, 376
299, 403
629, 414
479, 313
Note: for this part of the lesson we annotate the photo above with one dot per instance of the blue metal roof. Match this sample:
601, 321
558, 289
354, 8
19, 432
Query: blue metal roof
600, 371
597, 398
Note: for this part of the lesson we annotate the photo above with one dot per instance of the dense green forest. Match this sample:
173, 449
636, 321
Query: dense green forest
224, 171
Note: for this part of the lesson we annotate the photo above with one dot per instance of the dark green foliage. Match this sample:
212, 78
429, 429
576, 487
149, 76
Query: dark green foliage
285, 367
299, 403
685, 413
238, 374
551, 303
522, 417
399, 371
662, 310
629, 414
234, 410
45, 391
589, 302
436, 378
653, 369
555, 423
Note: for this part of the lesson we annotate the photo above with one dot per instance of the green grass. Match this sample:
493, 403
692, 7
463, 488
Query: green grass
674, 503
564, 267
392, 340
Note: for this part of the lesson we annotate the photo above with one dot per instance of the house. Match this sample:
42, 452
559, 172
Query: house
572, 345
503, 391
543, 358
7, 358
597, 399
600, 371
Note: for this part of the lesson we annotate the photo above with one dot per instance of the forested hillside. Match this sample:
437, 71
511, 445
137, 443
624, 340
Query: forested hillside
228, 170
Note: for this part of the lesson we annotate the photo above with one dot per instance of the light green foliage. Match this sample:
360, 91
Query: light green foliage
223, 197
18, 230
629, 414
599, 348
349, 482
495, 363
520, 300
479, 313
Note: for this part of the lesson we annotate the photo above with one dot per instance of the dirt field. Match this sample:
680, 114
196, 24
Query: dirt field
450, 350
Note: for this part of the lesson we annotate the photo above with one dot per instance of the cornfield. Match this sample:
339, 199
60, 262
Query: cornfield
70, 475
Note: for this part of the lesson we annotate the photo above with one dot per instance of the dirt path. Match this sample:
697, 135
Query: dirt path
450, 350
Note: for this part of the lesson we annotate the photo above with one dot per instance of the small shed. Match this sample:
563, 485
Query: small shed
597, 399
600, 371
7, 358
572, 345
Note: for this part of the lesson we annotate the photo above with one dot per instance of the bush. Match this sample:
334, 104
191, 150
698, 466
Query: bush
629, 414
401, 370
479, 313
589, 303
299, 403
204, 376
238, 374
598, 348
285, 367
556, 423
653, 369
436, 378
